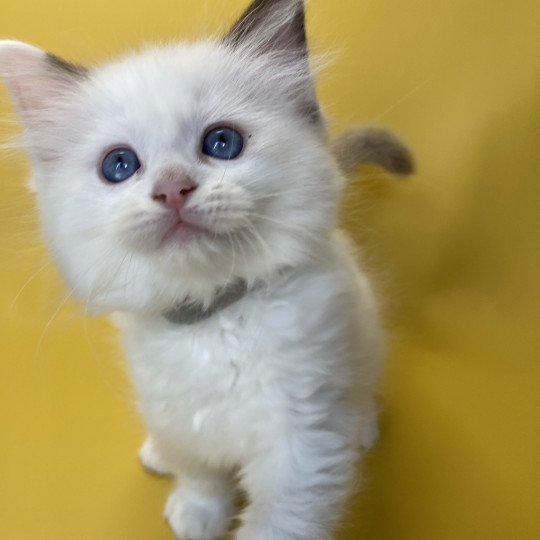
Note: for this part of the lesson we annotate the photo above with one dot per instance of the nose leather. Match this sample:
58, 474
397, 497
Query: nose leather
173, 192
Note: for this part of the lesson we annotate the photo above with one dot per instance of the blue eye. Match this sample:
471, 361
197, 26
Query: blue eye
223, 143
120, 164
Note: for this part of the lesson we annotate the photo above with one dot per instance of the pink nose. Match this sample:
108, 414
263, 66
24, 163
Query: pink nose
173, 192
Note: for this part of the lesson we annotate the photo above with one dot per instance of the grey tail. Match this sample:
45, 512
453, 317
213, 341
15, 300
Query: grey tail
365, 145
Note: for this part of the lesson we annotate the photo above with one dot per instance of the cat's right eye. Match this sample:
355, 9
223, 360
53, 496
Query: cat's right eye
119, 165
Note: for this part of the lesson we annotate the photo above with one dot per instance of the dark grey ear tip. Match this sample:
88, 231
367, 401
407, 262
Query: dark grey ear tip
257, 16
68, 68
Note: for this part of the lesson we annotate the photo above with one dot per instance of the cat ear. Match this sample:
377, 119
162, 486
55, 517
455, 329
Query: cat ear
36, 79
277, 28
271, 26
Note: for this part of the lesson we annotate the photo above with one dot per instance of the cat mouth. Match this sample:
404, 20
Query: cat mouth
182, 232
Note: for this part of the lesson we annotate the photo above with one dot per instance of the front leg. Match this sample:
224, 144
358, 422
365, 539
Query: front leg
201, 505
298, 487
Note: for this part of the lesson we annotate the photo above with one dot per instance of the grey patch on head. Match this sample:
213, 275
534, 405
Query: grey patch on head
67, 67
372, 145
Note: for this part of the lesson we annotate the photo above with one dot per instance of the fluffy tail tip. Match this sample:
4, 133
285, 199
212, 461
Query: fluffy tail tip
365, 145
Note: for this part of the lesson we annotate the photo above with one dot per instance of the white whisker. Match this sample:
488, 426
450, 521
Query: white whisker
402, 99
28, 281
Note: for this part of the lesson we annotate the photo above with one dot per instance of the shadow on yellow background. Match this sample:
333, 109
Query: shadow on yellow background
455, 253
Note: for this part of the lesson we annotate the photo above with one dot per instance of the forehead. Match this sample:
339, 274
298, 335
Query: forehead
172, 85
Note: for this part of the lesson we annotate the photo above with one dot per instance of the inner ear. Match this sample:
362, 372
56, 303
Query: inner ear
36, 79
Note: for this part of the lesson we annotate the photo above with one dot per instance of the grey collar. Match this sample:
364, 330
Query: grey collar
188, 312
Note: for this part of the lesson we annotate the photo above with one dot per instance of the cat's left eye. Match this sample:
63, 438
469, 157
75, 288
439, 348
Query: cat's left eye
119, 165
222, 143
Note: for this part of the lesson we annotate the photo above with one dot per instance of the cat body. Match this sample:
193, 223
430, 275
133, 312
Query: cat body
191, 189
267, 388
234, 381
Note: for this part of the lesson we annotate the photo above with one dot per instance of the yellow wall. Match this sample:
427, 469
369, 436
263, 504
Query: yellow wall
455, 252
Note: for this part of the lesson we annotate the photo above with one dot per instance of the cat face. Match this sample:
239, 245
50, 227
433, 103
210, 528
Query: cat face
178, 169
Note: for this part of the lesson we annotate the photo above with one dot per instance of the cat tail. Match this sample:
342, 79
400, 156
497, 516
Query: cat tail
363, 145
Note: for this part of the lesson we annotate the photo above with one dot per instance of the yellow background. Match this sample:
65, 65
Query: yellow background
455, 253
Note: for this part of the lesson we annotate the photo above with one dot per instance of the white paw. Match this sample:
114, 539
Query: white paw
197, 517
152, 460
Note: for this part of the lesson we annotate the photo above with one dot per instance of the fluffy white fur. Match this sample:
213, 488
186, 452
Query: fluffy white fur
275, 392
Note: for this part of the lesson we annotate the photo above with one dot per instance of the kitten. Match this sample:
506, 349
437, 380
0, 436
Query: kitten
191, 189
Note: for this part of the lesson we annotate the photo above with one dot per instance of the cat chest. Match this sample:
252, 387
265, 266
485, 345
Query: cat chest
207, 385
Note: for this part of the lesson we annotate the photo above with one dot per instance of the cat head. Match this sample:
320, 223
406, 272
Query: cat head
178, 169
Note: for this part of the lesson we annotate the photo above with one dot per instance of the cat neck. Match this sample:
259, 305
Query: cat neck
191, 312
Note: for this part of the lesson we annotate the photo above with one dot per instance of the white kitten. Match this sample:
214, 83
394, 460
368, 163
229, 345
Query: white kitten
191, 189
